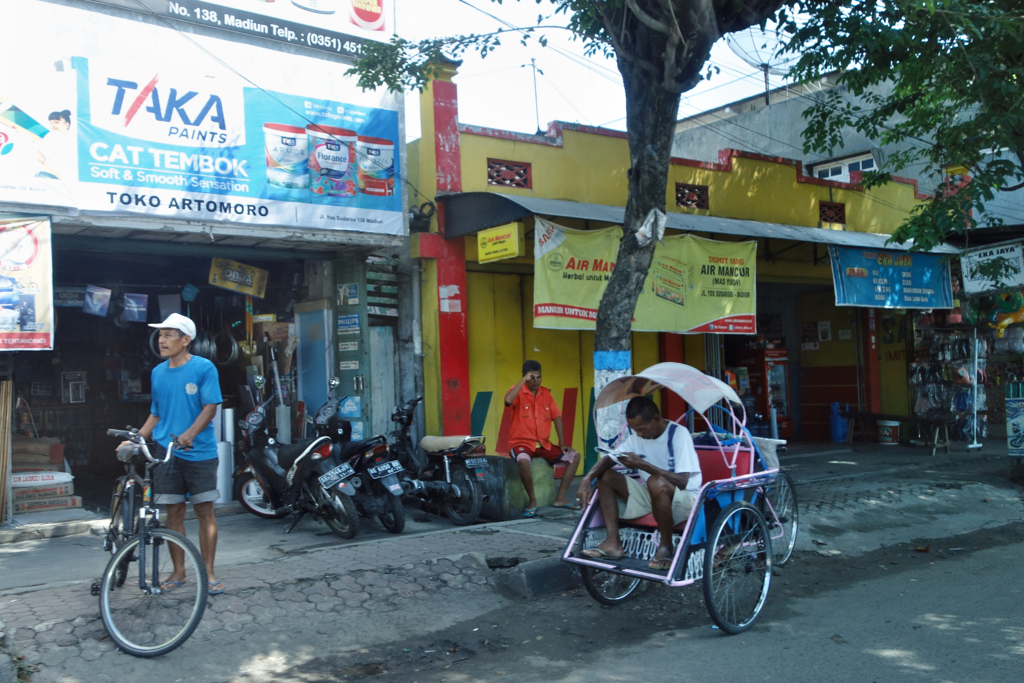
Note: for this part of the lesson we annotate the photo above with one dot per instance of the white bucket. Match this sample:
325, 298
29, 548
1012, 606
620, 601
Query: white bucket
888, 432
287, 150
332, 161
375, 158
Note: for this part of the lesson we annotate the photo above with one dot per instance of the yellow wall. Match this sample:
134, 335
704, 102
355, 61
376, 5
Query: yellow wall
892, 363
820, 307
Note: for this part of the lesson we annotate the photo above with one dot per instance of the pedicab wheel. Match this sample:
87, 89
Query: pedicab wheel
609, 588
737, 567
782, 518
465, 508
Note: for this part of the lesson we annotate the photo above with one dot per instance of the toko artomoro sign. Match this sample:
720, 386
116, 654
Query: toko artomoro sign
181, 136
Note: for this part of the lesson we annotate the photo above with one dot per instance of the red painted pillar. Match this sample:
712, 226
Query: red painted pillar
453, 338
870, 379
671, 350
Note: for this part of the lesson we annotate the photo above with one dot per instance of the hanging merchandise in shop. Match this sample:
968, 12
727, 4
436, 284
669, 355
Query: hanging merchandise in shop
998, 268
694, 284
890, 279
181, 136
26, 285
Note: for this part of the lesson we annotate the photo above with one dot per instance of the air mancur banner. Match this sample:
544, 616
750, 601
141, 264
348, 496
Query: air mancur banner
694, 284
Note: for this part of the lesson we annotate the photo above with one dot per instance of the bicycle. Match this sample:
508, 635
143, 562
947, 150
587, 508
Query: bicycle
142, 617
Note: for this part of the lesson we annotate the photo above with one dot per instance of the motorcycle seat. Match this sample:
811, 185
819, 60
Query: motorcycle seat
287, 454
435, 444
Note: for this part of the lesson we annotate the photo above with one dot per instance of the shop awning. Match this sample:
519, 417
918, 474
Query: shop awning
469, 212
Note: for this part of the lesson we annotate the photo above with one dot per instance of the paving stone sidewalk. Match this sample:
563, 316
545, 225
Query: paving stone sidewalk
306, 598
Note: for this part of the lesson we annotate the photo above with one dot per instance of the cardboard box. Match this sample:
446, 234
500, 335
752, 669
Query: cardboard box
40, 504
277, 331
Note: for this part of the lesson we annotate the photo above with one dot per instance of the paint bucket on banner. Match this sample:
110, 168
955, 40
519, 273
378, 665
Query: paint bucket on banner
287, 150
367, 14
318, 6
332, 161
888, 432
375, 159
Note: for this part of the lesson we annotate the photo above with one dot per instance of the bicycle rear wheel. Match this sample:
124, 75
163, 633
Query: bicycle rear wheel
782, 517
147, 622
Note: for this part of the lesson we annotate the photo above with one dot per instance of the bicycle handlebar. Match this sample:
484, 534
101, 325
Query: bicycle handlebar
133, 436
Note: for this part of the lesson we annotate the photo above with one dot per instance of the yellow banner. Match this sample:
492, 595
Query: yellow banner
499, 243
26, 285
238, 277
694, 284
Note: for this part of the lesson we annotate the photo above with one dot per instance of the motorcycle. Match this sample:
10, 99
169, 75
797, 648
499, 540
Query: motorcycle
275, 480
367, 473
445, 469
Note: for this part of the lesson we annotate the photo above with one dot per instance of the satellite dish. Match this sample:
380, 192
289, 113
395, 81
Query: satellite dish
762, 48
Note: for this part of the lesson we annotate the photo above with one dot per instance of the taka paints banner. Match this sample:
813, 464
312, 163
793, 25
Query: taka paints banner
26, 285
694, 284
174, 133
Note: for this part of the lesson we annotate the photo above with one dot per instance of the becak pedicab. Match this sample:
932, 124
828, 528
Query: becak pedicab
743, 523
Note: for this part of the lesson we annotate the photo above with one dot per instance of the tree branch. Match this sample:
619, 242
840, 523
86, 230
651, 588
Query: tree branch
647, 20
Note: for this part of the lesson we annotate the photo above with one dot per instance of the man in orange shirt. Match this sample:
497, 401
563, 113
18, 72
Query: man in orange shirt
533, 412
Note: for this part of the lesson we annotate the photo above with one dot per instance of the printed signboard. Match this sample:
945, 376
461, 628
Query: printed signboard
26, 285
238, 277
998, 268
176, 134
502, 242
879, 278
336, 26
693, 285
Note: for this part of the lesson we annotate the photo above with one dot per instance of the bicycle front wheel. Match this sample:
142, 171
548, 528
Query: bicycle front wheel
143, 619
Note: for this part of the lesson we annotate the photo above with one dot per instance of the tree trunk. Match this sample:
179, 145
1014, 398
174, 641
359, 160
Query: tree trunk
651, 113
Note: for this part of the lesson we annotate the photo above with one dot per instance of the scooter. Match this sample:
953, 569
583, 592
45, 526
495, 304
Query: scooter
445, 471
276, 480
368, 472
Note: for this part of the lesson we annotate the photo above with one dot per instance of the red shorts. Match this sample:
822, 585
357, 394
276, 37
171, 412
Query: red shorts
552, 455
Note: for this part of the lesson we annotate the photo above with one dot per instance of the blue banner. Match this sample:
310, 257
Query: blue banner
877, 278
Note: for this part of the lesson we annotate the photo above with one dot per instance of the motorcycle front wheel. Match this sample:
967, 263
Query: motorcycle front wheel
464, 508
393, 517
339, 511
253, 498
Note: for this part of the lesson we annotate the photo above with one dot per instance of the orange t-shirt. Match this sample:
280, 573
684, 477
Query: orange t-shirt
531, 418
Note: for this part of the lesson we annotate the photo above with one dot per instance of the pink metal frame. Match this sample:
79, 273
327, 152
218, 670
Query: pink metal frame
694, 513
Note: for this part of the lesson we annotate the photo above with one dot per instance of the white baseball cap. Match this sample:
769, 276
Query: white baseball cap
176, 321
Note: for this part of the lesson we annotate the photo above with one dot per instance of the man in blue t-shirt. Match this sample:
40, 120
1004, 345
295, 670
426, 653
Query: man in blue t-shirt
186, 393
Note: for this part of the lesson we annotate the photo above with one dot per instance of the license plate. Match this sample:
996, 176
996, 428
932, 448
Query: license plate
476, 463
340, 472
384, 469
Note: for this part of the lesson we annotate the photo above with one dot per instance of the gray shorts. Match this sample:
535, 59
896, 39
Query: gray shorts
197, 478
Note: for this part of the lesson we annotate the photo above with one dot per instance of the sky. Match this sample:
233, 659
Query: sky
497, 91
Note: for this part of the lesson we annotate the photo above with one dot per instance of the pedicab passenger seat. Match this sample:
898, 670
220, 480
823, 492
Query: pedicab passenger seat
712, 468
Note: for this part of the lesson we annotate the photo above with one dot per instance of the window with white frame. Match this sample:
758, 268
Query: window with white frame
841, 169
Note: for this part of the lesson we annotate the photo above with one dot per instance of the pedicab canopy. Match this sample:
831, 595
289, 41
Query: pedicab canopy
689, 383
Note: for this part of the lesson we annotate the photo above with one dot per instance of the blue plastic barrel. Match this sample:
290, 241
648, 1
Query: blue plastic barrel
838, 426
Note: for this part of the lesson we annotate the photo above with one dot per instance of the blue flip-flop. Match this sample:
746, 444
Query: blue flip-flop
530, 512
212, 587
170, 585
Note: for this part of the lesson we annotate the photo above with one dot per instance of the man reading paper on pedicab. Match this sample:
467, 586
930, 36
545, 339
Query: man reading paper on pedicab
662, 454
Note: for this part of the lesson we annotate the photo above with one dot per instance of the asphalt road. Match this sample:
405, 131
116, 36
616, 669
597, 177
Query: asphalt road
898, 614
